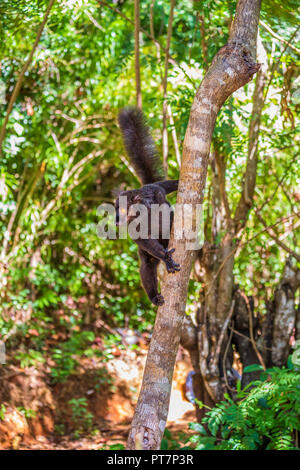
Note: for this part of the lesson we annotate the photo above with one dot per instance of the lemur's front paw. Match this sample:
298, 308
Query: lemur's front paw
158, 300
171, 266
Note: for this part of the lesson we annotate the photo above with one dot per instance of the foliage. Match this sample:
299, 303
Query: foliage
265, 417
66, 356
170, 442
28, 413
2, 412
80, 415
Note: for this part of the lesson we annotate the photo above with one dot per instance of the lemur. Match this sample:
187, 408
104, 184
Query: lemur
143, 155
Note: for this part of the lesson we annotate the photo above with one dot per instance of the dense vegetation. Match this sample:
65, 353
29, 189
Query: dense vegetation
65, 293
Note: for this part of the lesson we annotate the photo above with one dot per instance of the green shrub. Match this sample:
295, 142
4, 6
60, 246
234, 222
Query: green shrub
265, 417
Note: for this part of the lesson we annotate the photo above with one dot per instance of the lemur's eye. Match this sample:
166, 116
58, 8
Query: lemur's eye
123, 211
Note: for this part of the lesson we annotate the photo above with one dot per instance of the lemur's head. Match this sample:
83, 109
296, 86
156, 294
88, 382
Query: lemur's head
124, 205
137, 202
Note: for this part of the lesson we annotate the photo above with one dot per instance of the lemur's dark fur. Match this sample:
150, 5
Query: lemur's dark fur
145, 160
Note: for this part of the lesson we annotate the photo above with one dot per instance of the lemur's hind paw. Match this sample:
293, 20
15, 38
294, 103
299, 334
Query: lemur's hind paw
158, 300
171, 266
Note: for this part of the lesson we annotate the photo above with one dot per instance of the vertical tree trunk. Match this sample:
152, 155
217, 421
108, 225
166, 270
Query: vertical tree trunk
232, 67
281, 318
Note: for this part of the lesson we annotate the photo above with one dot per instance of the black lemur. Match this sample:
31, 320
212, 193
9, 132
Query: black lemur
143, 155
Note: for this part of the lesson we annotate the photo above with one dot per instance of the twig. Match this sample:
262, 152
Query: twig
280, 38
222, 182
279, 183
224, 328
246, 337
203, 42
174, 136
95, 22
276, 239
224, 362
153, 36
165, 146
240, 245
171, 60
274, 65
259, 356
137, 53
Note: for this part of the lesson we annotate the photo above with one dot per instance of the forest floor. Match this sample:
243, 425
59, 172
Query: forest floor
87, 411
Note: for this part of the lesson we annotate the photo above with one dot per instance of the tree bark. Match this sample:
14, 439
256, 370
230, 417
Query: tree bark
281, 318
272, 332
233, 66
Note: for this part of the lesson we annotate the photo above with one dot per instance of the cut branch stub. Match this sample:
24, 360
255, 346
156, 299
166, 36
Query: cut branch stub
232, 67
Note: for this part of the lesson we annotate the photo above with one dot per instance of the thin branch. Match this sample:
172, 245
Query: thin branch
68, 118
174, 136
137, 53
165, 146
68, 173
203, 42
249, 180
21, 76
276, 239
130, 167
247, 338
21, 204
280, 38
279, 183
153, 36
222, 182
240, 245
77, 130
95, 22
259, 356
25, 201
224, 362
222, 334
275, 64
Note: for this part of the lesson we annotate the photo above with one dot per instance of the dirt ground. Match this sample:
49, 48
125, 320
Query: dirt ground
35, 414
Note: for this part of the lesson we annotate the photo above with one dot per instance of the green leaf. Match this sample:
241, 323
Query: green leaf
253, 368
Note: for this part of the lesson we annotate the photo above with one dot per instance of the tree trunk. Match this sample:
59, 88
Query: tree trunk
217, 261
281, 319
233, 66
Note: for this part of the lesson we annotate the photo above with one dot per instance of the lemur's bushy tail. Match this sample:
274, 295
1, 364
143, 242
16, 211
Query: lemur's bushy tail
140, 146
